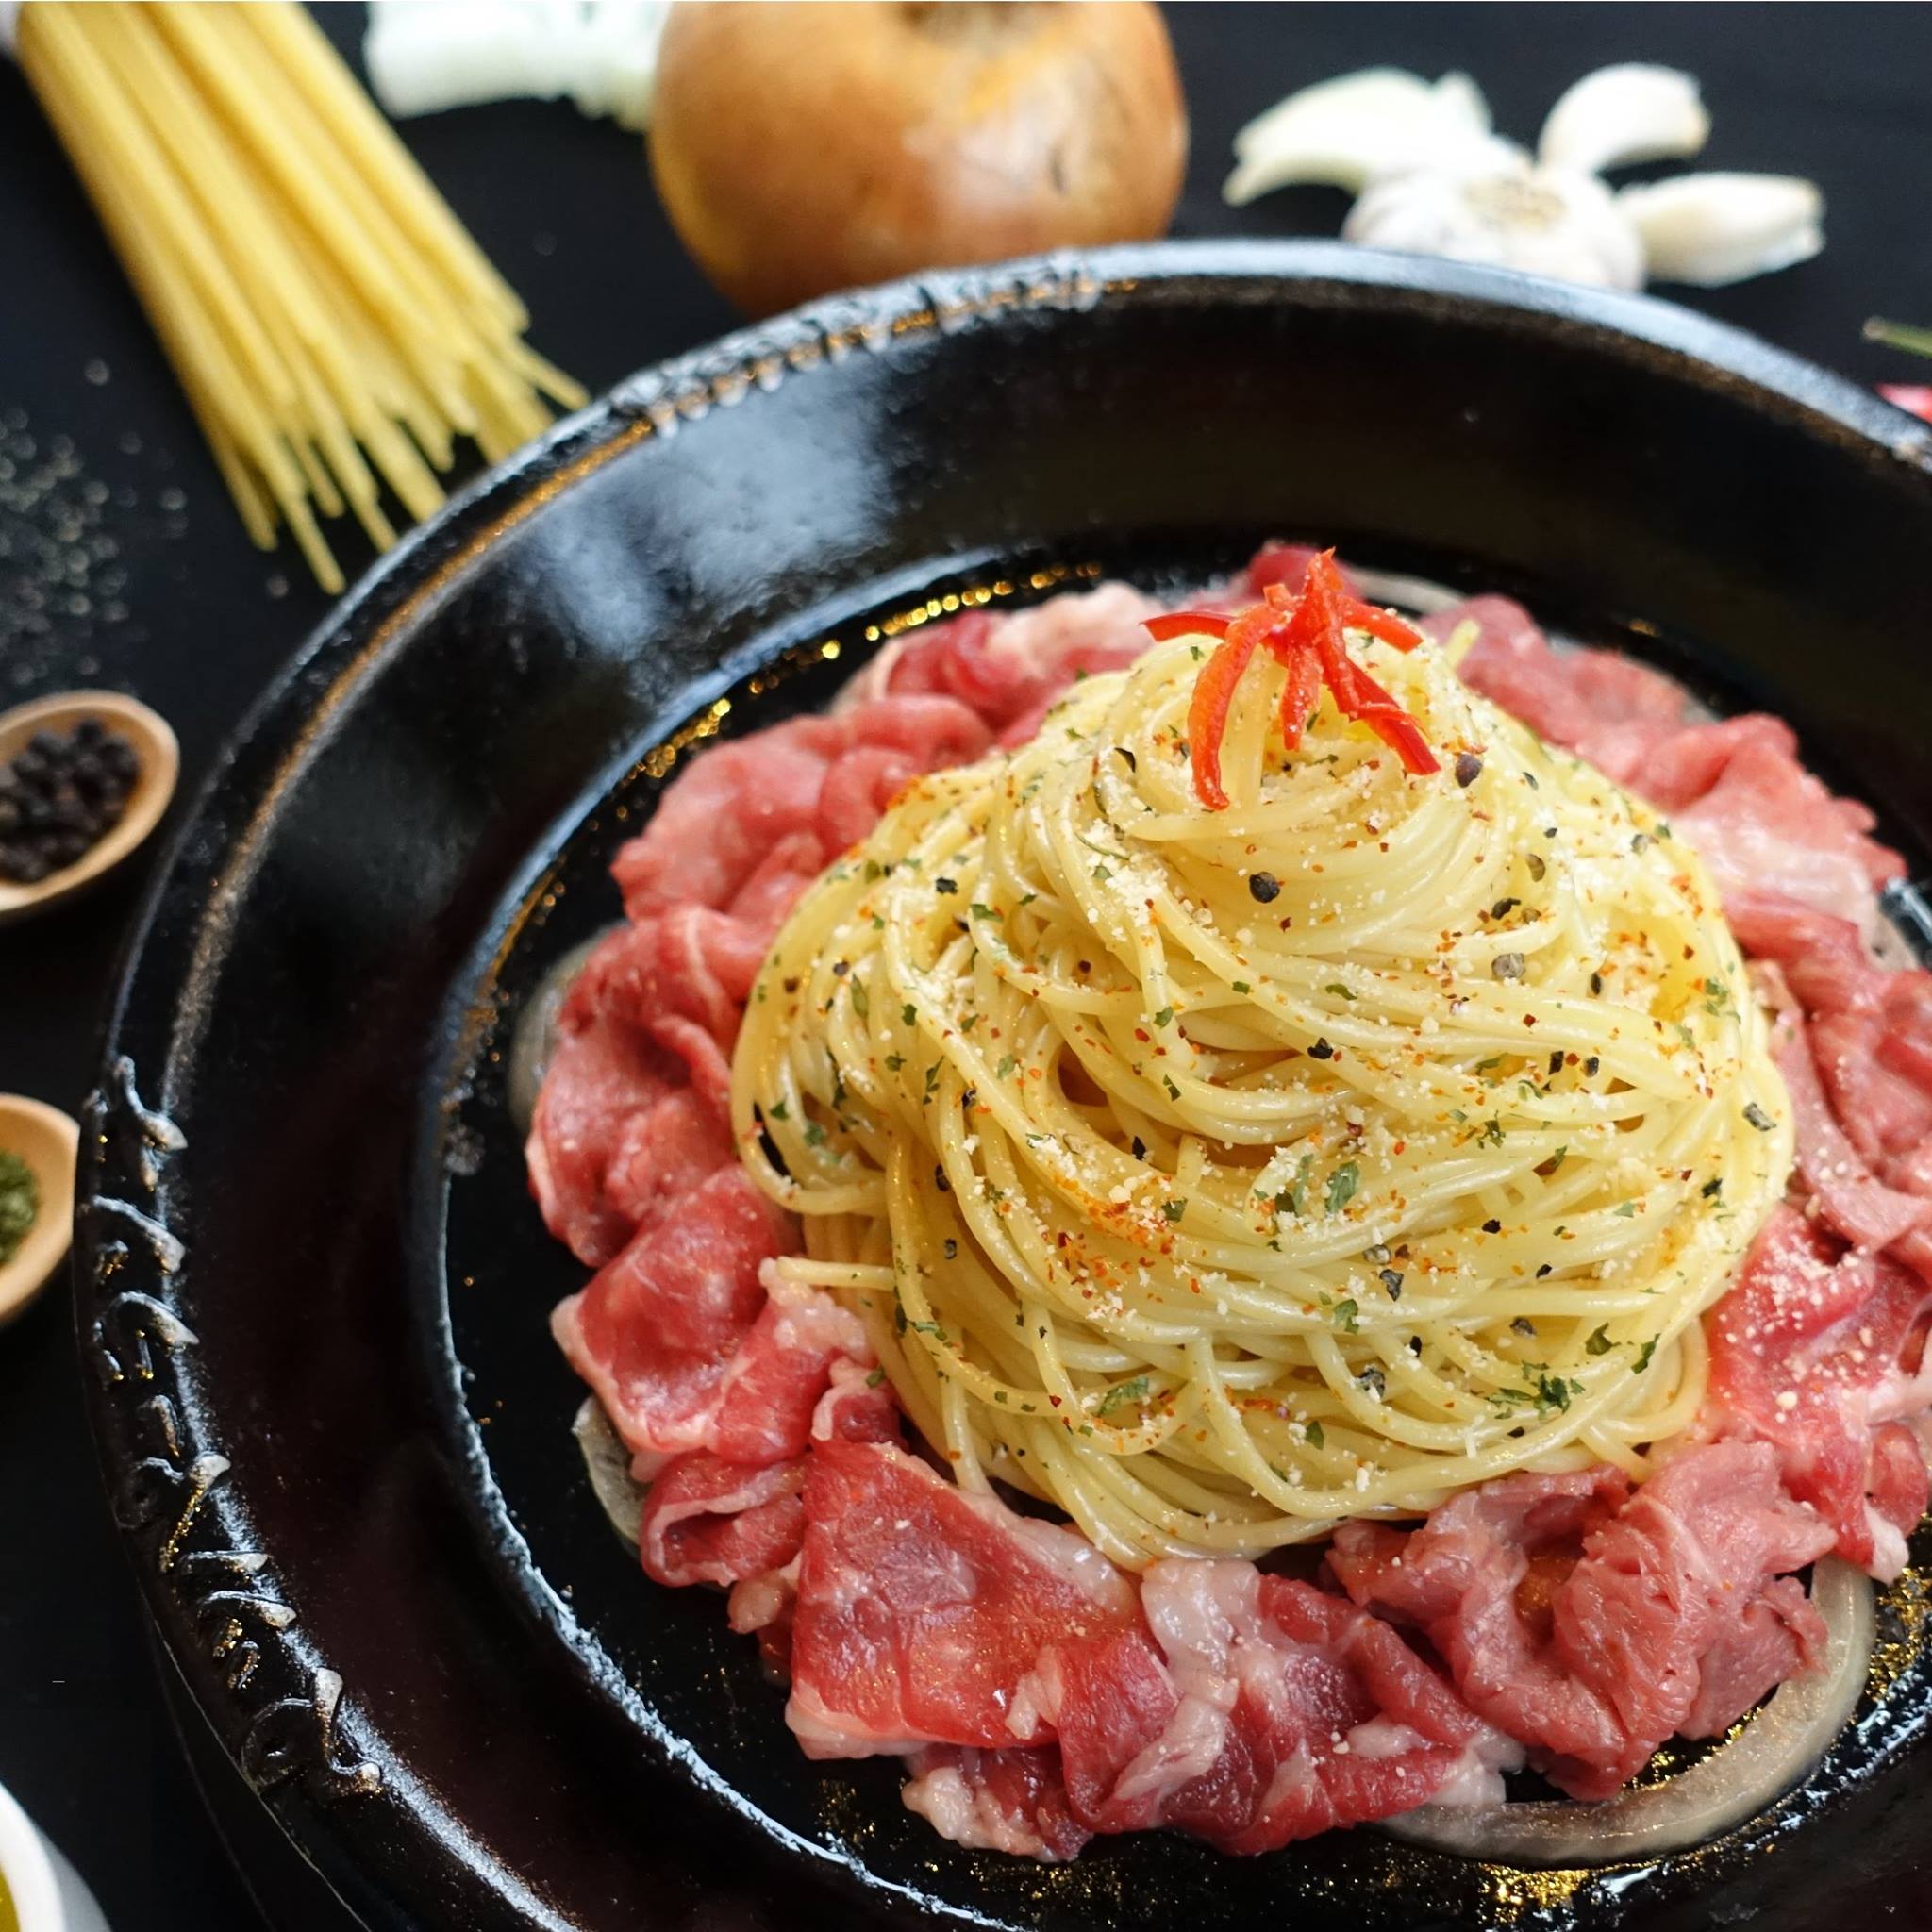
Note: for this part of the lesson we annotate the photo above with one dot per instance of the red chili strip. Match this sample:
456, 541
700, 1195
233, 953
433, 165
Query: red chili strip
1380, 623
1393, 724
1299, 696
1317, 626
1306, 634
1187, 623
1403, 735
1208, 714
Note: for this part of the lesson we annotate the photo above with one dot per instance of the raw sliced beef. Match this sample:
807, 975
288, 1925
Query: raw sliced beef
634, 1111
1855, 1047
1775, 1637
715, 831
1258, 1710
997, 1801
736, 838
1129, 1740
1682, 1612
731, 1514
1767, 825
724, 813
1479, 1578
657, 1327
781, 1371
1249, 1709
1577, 1617
1845, 1194
601, 1094
663, 1152
1876, 1068
1819, 1353
1871, 1028
687, 963
1010, 666
1759, 821
922, 1610
1603, 706
709, 1521
857, 1406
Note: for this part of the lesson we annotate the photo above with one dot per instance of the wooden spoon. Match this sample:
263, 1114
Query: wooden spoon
48, 1142
161, 762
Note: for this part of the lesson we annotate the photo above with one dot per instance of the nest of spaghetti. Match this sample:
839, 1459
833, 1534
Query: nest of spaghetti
1281, 1091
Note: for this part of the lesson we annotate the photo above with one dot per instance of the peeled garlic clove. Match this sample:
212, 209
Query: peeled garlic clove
1370, 92
1459, 105
1710, 229
1498, 209
1618, 115
1345, 132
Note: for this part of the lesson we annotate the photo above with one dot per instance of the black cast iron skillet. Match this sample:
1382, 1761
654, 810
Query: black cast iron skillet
313, 1291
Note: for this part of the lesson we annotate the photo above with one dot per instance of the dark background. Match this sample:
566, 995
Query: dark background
122, 564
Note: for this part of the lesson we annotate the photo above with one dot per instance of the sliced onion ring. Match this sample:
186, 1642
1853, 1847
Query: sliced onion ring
1421, 594
1737, 1781
535, 1038
607, 1462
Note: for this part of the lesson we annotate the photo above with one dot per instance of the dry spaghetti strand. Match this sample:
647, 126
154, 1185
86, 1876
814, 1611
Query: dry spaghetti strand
335, 328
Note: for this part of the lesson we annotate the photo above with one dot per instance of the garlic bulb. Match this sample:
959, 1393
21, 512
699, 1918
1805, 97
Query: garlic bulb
1431, 177
1493, 205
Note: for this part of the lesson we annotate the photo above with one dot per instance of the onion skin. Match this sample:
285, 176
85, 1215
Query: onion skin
803, 148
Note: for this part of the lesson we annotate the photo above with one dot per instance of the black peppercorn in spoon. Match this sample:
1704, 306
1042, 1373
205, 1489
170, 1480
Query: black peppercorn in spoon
84, 778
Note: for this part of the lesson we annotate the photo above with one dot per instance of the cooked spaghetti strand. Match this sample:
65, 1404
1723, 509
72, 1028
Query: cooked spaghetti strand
1218, 1174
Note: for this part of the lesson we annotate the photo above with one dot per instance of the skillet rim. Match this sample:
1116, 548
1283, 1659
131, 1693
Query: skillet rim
298, 1751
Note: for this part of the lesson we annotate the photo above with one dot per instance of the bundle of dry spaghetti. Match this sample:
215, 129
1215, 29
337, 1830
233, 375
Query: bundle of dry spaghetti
333, 325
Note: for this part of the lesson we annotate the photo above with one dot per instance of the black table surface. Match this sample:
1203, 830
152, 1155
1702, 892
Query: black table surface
122, 564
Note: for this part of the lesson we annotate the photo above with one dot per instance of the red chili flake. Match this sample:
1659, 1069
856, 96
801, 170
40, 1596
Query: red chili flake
1304, 634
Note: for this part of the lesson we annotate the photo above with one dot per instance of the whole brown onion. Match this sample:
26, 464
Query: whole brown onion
800, 148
